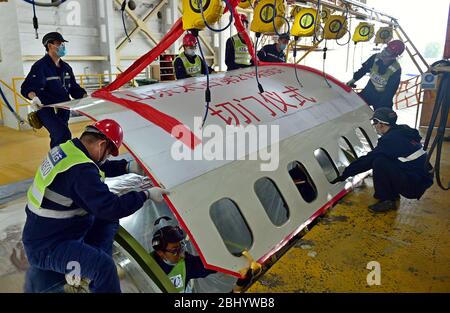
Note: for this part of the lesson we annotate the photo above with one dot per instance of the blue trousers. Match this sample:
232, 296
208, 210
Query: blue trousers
93, 254
57, 124
390, 181
373, 98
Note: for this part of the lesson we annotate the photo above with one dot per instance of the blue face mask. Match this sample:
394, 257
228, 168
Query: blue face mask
61, 51
283, 46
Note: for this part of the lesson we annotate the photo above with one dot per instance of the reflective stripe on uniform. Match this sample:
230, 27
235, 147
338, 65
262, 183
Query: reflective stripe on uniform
53, 78
412, 156
57, 198
42, 212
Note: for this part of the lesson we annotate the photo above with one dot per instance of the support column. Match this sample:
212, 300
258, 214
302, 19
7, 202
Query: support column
107, 35
11, 64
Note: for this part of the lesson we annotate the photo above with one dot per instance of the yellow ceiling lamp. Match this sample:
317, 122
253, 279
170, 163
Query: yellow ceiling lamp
304, 23
192, 16
264, 15
363, 32
245, 4
384, 35
325, 14
335, 27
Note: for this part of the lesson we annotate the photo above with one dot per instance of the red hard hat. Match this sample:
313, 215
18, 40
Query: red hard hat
243, 18
189, 40
396, 47
112, 130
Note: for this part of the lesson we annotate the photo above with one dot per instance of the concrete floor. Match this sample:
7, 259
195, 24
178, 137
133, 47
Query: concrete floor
411, 245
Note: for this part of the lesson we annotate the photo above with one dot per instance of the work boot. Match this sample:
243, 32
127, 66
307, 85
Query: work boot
383, 206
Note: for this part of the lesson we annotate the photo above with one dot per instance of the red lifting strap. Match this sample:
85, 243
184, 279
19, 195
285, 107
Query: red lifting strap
173, 34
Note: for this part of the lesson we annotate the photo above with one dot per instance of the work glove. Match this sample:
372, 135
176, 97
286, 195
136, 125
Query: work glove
338, 179
351, 83
134, 167
36, 103
156, 194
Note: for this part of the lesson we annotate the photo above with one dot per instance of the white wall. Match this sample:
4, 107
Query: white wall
84, 39
11, 55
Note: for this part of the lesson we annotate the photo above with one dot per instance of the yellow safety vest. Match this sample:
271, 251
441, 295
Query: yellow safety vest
191, 69
59, 159
241, 55
379, 80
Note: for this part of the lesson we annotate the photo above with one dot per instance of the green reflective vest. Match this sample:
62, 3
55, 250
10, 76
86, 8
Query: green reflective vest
58, 160
241, 54
191, 69
380, 80
178, 275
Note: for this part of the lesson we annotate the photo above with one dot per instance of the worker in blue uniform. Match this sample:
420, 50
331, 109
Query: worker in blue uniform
275, 52
179, 265
398, 162
385, 74
72, 216
236, 50
51, 81
188, 63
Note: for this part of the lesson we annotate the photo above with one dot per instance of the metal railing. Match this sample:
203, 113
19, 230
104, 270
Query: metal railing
408, 94
17, 96
86, 81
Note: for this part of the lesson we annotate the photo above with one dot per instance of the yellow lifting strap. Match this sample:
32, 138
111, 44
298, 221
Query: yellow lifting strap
384, 35
263, 15
192, 16
363, 32
335, 27
245, 3
304, 23
253, 265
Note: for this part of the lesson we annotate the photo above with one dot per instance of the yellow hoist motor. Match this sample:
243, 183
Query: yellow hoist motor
384, 35
304, 23
363, 32
325, 14
294, 11
335, 27
192, 16
263, 16
245, 3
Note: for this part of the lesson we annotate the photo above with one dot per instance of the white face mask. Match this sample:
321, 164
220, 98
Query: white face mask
190, 52
168, 262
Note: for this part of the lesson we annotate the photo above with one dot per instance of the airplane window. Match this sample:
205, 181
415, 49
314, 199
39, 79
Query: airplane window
346, 153
272, 201
231, 225
302, 181
364, 139
326, 163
